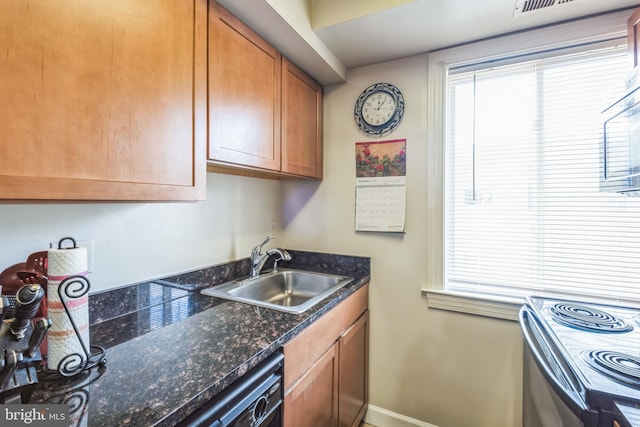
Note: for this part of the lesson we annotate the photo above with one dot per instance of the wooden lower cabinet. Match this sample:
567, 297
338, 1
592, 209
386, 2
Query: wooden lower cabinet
354, 373
326, 368
313, 401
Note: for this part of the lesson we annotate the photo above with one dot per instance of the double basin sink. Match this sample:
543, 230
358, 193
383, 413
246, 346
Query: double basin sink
291, 291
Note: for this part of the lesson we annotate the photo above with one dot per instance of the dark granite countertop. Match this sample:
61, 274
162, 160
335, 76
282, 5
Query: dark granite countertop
170, 349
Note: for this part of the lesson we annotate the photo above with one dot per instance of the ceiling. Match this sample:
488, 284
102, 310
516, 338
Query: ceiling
350, 33
426, 25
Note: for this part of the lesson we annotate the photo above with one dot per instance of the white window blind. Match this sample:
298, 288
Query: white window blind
523, 210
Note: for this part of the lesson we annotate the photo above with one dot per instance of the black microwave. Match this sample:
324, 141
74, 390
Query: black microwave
620, 150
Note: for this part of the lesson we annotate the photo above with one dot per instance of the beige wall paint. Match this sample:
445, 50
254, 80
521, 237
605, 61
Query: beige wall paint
325, 13
444, 368
139, 241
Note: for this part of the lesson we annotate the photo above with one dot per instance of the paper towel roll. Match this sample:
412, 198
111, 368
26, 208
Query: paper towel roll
63, 263
62, 339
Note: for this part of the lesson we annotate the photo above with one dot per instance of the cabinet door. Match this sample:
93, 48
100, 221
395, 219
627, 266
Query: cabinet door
313, 400
633, 37
244, 94
103, 100
354, 363
301, 123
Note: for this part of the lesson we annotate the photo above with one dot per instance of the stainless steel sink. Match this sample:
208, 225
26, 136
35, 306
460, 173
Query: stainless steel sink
292, 291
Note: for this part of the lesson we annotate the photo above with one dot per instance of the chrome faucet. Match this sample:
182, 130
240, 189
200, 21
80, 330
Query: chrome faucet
282, 255
258, 259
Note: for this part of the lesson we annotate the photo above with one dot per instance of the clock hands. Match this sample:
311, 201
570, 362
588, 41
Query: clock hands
381, 103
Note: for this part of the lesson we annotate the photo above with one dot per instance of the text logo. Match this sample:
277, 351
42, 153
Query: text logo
34, 415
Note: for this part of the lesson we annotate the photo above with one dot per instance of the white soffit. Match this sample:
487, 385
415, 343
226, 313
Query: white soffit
286, 25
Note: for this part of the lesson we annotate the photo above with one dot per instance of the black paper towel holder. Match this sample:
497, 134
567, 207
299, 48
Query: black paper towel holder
72, 364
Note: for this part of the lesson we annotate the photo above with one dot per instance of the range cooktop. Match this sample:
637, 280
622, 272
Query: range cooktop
600, 343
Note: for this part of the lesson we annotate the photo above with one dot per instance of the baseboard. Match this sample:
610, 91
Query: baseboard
380, 417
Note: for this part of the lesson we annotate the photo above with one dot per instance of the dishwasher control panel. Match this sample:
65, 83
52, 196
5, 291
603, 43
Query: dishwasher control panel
254, 400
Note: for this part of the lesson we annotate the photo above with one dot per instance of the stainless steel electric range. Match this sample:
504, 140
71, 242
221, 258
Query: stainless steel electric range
581, 364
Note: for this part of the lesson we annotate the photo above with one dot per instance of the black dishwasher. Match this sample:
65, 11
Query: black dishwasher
253, 400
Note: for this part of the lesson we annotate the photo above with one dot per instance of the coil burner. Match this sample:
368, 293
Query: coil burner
587, 318
620, 367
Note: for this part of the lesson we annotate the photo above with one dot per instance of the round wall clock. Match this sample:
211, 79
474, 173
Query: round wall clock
379, 109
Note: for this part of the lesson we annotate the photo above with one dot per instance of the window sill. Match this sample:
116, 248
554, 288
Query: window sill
480, 305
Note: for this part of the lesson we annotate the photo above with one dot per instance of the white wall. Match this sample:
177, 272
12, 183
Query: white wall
443, 368
139, 241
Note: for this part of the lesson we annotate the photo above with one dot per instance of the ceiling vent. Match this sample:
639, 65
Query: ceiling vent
524, 7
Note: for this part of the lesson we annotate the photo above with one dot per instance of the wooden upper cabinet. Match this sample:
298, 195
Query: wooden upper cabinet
103, 100
244, 94
265, 114
633, 37
301, 122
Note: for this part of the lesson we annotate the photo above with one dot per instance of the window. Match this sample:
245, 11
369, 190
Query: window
530, 218
522, 208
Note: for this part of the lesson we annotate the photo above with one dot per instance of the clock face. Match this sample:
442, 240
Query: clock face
379, 109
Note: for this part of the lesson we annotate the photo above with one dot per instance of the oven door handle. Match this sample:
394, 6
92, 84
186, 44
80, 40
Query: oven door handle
569, 395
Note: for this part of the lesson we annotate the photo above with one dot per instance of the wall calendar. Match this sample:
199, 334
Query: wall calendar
381, 186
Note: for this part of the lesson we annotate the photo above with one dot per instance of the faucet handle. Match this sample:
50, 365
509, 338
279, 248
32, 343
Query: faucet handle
256, 250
